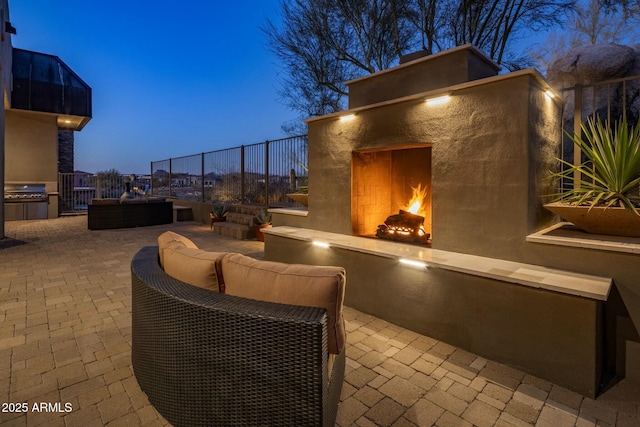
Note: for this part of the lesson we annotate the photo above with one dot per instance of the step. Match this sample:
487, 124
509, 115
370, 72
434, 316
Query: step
240, 218
182, 213
245, 209
235, 231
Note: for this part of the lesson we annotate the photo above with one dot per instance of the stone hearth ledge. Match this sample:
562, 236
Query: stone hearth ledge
290, 211
535, 276
567, 234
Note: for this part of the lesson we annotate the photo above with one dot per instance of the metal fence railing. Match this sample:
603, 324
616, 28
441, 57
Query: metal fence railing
609, 100
77, 189
261, 173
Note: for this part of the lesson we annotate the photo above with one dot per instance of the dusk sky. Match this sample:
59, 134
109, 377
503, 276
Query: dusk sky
169, 78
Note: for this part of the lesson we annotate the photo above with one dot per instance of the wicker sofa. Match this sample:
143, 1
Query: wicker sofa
128, 213
206, 358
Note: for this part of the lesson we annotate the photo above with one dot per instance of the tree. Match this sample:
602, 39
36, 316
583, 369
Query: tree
110, 173
110, 183
628, 7
595, 23
491, 25
323, 43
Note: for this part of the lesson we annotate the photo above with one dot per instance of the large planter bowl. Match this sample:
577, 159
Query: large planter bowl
302, 198
614, 221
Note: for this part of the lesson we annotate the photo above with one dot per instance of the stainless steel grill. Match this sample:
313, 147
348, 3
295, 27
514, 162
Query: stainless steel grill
24, 192
25, 201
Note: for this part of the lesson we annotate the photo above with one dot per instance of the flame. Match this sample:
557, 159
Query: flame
416, 201
414, 208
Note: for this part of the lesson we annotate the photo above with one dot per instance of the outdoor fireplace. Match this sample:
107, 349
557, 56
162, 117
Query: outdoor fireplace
391, 193
407, 225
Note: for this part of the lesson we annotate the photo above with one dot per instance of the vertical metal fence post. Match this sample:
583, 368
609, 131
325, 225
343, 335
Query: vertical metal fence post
151, 180
170, 176
202, 175
266, 172
242, 174
577, 131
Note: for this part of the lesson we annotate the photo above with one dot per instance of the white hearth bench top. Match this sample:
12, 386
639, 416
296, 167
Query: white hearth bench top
535, 276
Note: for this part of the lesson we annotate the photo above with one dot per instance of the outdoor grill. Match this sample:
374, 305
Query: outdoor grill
25, 201
21, 192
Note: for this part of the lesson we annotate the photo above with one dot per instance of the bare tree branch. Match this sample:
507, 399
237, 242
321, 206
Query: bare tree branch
323, 43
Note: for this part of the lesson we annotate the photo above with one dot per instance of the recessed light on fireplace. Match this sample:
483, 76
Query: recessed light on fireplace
413, 263
320, 244
347, 117
439, 100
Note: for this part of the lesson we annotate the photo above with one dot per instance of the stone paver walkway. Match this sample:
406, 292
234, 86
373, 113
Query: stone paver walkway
65, 341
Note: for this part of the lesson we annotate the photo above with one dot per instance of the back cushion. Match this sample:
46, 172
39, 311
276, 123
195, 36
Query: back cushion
175, 240
296, 284
196, 267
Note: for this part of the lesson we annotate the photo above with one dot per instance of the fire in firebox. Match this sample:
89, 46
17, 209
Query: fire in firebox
408, 224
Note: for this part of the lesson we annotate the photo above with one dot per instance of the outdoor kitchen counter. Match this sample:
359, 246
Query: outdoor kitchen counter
535, 276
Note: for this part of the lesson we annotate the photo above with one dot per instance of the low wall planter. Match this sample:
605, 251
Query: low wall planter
614, 221
301, 198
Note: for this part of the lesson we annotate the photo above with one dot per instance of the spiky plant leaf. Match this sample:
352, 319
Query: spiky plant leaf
611, 174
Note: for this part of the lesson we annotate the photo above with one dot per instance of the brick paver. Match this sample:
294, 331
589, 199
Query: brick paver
65, 345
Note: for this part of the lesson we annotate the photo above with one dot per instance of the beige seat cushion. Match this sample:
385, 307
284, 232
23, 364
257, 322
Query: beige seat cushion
194, 266
170, 238
296, 284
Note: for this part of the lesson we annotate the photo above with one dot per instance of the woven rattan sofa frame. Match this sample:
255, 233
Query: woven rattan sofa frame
210, 359
128, 215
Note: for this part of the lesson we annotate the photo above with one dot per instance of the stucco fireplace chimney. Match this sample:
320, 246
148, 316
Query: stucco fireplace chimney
421, 74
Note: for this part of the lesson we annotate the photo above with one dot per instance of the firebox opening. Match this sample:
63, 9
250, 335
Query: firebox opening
384, 182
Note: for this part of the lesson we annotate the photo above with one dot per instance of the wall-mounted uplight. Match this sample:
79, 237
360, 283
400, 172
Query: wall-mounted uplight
320, 244
347, 117
549, 94
413, 263
439, 100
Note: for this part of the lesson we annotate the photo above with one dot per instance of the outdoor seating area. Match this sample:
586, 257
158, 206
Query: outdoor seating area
268, 337
66, 338
127, 213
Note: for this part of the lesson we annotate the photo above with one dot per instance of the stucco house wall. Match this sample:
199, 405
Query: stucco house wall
5, 55
33, 149
5, 89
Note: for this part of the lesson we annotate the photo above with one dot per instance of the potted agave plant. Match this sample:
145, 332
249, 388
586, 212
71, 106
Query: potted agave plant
218, 214
605, 196
262, 220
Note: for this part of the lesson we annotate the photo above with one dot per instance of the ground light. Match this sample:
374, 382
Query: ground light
413, 263
439, 100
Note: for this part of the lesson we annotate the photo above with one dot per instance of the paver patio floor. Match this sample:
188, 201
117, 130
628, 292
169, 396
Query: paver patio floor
65, 341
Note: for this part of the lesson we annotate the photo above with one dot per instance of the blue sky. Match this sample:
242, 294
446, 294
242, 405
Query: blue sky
169, 78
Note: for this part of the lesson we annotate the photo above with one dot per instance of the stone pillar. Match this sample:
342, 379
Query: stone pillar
65, 151
66, 166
